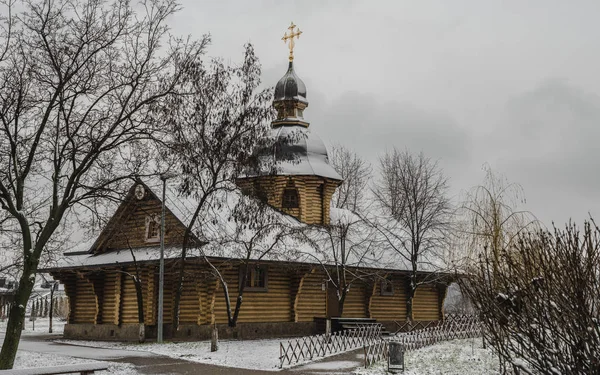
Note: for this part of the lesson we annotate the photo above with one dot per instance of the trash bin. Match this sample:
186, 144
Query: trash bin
395, 357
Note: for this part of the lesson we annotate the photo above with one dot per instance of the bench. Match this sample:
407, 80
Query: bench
83, 369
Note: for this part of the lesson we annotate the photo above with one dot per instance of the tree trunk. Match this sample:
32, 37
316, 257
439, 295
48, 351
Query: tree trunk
341, 301
236, 312
140, 303
238, 302
214, 339
51, 310
409, 301
16, 318
181, 278
142, 333
409, 307
179, 290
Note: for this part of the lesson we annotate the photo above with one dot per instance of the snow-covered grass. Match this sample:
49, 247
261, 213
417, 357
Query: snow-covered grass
39, 326
456, 357
27, 359
249, 354
31, 359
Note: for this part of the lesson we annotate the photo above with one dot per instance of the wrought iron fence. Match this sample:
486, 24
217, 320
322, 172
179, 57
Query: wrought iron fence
309, 347
453, 327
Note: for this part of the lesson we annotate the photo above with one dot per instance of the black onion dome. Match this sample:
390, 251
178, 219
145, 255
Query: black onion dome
290, 87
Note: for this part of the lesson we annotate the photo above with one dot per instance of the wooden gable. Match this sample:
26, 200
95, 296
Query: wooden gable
129, 226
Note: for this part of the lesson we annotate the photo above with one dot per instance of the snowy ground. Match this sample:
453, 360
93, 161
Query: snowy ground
250, 354
39, 326
34, 358
457, 357
27, 359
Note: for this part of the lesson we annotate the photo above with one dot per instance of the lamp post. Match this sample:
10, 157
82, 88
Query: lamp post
161, 273
53, 289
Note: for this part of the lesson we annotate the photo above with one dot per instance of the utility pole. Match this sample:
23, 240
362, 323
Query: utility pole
161, 275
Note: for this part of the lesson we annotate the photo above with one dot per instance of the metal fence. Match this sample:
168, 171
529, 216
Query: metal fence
453, 327
309, 347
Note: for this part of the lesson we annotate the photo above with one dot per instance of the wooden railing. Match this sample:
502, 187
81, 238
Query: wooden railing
309, 347
453, 327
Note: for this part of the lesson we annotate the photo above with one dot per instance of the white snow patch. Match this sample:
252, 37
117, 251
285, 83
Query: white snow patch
39, 326
27, 359
249, 354
456, 357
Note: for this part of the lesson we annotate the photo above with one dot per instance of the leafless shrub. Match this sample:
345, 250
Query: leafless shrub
538, 300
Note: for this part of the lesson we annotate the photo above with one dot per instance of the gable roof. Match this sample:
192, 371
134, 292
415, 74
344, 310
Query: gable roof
220, 222
122, 212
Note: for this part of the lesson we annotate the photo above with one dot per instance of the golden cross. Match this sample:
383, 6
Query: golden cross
290, 37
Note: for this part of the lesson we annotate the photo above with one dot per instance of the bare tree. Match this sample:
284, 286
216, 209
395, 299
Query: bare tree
349, 249
136, 277
356, 173
491, 218
213, 136
538, 300
347, 244
247, 233
79, 82
412, 195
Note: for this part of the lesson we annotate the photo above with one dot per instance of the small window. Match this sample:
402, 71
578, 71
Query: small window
152, 228
257, 280
387, 286
290, 198
290, 112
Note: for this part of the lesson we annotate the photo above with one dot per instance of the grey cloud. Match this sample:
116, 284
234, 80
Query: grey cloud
370, 127
552, 136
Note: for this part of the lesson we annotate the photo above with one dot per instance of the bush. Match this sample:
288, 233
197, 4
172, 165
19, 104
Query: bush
539, 301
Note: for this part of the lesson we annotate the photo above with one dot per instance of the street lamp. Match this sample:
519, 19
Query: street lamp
53, 290
161, 275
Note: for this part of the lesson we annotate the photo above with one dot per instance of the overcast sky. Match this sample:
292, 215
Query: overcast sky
514, 84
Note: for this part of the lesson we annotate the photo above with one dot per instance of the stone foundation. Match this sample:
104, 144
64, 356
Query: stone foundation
188, 332
105, 332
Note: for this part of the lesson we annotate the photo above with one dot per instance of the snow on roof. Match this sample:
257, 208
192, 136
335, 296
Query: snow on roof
297, 151
226, 236
123, 256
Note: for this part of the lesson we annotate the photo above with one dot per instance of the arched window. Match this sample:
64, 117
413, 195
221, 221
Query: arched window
290, 198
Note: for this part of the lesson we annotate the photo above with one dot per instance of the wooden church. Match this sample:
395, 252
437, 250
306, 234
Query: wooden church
281, 298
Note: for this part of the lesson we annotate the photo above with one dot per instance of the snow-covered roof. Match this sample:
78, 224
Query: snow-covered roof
297, 151
122, 256
225, 233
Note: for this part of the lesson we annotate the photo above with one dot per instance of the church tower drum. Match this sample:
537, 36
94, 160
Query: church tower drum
302, 182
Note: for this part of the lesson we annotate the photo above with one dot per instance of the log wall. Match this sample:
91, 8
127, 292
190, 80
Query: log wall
426, 304
311, 299
314, 208
85, 308
131, 231
356, 302
112, 298
150, 292
129, 304
388, 308
189, 306
274, 305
